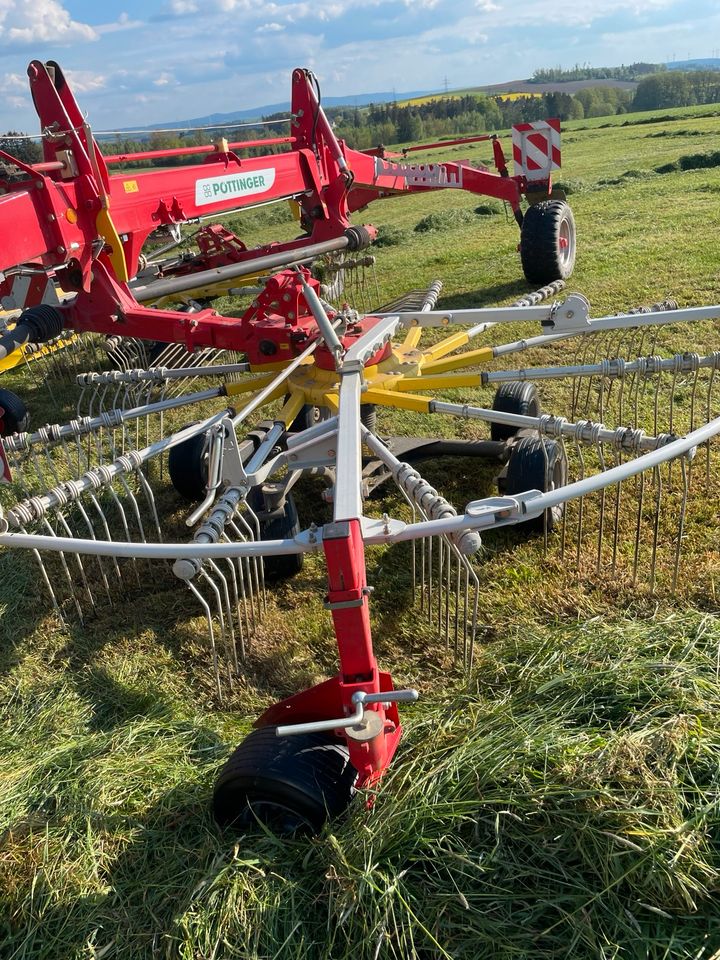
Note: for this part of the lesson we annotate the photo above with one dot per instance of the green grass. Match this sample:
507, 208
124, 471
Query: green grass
559, 801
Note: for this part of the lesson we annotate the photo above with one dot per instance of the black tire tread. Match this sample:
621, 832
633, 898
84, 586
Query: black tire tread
14, 418
278, 528
539, 242
311, 772
526, 471
516, 396
187, 471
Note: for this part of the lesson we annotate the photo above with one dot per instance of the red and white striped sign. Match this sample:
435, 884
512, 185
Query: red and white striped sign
536, 148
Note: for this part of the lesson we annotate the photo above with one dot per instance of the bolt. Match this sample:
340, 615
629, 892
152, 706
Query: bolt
51, 217
570, 313
61, 249
386, 522
331, 452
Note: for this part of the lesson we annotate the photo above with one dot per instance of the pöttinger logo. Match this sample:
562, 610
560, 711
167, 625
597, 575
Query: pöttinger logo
231, 185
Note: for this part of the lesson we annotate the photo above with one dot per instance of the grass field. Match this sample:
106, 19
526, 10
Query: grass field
561, 800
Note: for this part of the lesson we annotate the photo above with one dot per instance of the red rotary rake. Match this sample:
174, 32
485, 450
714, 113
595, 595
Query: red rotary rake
87, 489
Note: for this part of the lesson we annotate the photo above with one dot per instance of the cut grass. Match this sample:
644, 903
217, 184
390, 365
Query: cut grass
562, 801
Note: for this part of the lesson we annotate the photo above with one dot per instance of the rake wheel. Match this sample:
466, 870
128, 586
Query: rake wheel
290, 784
531, 467
547, 242
514, 397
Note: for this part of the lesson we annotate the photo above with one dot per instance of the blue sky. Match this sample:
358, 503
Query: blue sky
136, 62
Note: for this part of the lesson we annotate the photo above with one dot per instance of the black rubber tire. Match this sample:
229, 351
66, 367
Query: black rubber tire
530, 469
547, 242
283, 527
188, 467
514, 397
291, 784
308, 417
14, 417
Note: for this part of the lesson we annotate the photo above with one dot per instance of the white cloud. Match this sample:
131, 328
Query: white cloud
13, 81
123, 22
24, 22
164, 80
85, 81
271, 28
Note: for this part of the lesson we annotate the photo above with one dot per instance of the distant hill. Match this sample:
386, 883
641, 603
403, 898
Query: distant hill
257, 113
708, 63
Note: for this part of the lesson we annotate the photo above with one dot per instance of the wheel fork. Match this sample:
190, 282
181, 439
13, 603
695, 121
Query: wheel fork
360, 701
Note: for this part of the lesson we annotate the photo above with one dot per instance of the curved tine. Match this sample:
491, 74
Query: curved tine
657, 481
566, 465
708, 417
638, 526
230, 639
543, 444
106, 528
91, 530
63, 562
126, 529
693, 395
236, 602
211, 633
60, 517
601, 522
681, 522
616, 519
243, 567
218, 600
150, 500
253, 529
581, 506
412, 542
46, 579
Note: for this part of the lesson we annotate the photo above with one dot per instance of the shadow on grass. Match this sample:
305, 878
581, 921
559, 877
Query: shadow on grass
487, 296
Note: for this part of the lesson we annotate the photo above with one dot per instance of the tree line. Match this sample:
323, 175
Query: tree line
630, 71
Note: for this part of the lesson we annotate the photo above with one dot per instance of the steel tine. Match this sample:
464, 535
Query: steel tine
254, 567
616, 518
708, 417
681, 522
245, 575
211, 633
566, 466
581, 506
657, 480
46, 579
47, 526
253, 527
472, 577
150, 500
412, 544
236, 604
640, 486
225, 594
601, 522
60, 517
448, 572
78, 505
218, 603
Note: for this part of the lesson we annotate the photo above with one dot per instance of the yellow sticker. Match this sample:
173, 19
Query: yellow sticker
131, 186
